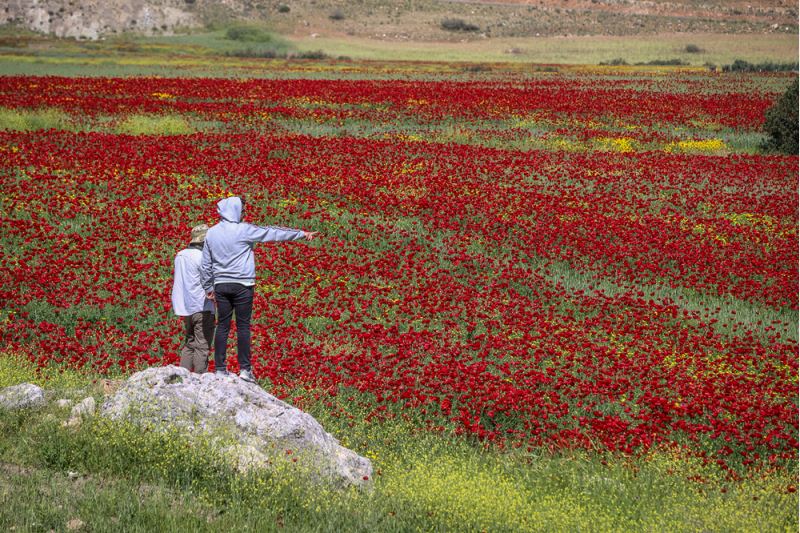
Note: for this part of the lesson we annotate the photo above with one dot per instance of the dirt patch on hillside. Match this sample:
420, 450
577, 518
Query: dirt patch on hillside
771, 12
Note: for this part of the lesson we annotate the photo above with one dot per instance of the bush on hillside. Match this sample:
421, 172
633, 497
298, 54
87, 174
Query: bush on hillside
276, 54
458, 25
261, 54
249, 34
741, 65
781, 123
614, 62
477, 67
310, 54
664, 63
654, 63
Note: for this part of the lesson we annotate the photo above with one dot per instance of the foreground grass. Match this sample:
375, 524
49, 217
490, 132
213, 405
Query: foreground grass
55, 477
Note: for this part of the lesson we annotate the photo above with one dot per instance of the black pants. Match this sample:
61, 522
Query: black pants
233, 298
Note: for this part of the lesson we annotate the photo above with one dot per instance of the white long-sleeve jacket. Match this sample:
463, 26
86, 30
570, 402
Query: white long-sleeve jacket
188, 296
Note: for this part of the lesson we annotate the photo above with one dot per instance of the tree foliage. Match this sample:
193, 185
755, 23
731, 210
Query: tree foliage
781, 122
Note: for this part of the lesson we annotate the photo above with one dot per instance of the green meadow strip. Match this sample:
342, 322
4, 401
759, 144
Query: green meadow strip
34, 119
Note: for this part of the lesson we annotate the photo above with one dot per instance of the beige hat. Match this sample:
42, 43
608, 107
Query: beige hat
199, 234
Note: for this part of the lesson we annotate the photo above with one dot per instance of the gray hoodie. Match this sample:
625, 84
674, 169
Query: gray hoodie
228, 250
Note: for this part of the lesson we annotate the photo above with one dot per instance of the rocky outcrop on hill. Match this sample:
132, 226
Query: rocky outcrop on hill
91, 19
261, 427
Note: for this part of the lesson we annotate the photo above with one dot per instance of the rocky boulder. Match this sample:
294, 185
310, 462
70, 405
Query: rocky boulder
22, 396
84, 409
257, 427
92, 19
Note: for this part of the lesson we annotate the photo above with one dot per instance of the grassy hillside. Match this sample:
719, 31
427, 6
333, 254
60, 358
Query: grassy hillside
215, 53
719, 49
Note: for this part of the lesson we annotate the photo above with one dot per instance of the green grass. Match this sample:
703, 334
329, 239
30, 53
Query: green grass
217, 42
34, 119
471, 133
79, 314
587, 50
52, 475
731, 314
50, 500
136, 124
208, 52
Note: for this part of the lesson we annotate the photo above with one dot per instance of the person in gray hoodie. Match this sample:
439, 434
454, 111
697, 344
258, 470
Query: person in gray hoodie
228, 275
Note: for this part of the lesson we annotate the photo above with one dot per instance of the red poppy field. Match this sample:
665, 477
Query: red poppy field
595, 260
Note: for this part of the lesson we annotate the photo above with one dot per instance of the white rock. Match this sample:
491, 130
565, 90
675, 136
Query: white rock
84, 408
263, 427
22, 396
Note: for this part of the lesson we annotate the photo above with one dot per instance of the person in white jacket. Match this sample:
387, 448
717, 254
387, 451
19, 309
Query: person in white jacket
190, 301
228, 275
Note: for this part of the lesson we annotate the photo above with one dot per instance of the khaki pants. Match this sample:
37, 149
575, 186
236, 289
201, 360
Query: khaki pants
199, 333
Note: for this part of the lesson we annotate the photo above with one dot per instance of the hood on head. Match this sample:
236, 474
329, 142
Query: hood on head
230, 209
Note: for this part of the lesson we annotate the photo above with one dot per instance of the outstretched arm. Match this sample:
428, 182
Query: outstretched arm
277, 233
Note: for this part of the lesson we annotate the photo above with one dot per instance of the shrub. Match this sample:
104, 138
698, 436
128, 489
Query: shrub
277, 54
283, 8
477, 67
614, 62
741, 65
250, 34
664, 63
458, 25
781, 123
249, 52
312, 54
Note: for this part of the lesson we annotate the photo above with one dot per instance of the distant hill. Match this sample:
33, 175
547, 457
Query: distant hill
412, 20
